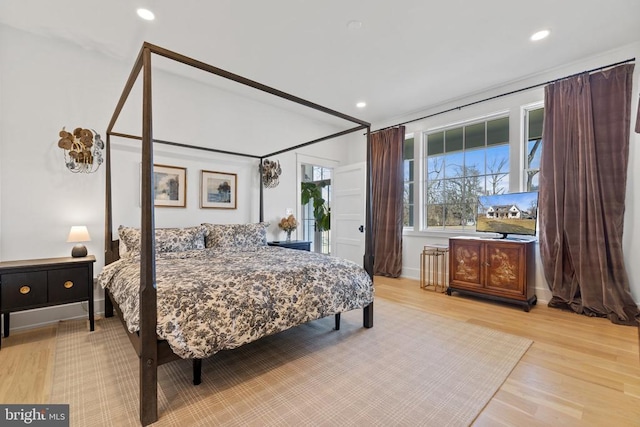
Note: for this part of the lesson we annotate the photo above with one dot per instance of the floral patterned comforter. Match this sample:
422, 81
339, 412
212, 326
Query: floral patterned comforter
210, 300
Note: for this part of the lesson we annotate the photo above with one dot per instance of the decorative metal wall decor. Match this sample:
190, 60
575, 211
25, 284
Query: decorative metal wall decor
82, 150
270, 173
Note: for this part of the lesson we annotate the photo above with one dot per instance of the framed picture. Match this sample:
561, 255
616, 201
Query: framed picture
218, 190
169, 186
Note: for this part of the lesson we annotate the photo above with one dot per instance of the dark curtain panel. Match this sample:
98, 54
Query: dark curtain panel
583, 176
638, 118
388, 187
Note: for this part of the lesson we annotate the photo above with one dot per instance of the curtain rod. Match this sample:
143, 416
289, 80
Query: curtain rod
506, 94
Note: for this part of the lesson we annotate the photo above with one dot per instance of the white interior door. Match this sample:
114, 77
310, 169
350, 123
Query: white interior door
348, 212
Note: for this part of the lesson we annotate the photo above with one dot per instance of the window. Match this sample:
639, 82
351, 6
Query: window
533, 142
408, 165
461, 163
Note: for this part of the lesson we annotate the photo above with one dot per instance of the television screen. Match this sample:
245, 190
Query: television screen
513, 213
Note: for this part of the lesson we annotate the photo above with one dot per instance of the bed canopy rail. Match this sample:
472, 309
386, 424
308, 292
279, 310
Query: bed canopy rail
148, 348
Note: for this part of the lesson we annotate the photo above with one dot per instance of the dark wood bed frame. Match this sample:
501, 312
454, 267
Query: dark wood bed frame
152, 351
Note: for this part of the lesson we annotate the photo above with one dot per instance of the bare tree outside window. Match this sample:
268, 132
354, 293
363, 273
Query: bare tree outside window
461, 164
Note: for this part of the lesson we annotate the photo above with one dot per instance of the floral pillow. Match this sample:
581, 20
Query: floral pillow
167, 239
243, 237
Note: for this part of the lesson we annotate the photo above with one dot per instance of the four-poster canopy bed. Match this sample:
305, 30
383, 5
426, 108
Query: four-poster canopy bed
152, 348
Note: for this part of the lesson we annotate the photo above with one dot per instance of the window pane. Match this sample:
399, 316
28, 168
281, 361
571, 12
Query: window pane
435, 143
407, 219
498, 131
435, 192
533, 153
498, 169
534, 184
533, 148
453, 216
317, 173
468, 215
535, 123
453, 164
435, 167
498, 159
326, 173
474, 136
474, 162
453, 140
435, 215
408, 205
408, 170
453, 191
408, 149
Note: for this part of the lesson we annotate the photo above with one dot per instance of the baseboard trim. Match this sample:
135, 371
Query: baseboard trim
46, 316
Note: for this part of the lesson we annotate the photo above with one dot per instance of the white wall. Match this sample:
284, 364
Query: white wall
46, 84
413, 241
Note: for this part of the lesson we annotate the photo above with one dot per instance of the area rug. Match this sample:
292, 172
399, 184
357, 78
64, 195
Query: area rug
412, 368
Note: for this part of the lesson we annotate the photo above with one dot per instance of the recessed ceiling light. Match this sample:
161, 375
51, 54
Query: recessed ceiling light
540, 35
361, 104
146, 14
354, 25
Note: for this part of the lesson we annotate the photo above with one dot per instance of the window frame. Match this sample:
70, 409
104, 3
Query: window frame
413, 182
462, 124
514, 106
526, 109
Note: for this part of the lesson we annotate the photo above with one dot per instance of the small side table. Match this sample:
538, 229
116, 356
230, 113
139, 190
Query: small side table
302, 245
433, 267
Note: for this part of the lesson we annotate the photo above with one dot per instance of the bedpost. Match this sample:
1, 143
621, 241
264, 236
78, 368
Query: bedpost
108, 221
367, 312
148, 305
261, 192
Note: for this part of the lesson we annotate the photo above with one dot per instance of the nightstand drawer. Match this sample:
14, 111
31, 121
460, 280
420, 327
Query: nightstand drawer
68, 285
20, 290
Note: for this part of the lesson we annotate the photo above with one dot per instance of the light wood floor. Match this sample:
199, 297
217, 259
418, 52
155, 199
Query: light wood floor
580, 371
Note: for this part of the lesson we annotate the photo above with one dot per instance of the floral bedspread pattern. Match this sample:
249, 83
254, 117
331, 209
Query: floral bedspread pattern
210, 300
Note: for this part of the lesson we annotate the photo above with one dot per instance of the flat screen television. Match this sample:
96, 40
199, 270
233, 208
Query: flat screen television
512, 213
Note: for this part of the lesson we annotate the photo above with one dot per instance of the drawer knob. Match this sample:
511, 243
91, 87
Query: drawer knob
68, 284
25, 289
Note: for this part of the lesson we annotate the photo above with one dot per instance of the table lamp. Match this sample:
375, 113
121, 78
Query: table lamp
78, 233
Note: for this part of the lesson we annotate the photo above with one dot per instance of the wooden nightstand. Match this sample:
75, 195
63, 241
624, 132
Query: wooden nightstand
35, 283
302, 245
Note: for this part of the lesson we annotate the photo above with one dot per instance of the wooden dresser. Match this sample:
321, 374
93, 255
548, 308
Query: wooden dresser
35, 283
497, 269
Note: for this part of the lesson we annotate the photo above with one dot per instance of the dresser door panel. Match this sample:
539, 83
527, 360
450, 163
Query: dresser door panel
68, 285
466, 268
505, 269
20, 290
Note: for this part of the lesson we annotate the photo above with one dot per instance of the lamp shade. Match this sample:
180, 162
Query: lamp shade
78, 233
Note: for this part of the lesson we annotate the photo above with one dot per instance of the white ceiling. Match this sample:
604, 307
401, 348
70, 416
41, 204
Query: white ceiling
407, 56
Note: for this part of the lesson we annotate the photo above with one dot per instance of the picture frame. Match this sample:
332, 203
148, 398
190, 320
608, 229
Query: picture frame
169, 186
218, 190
